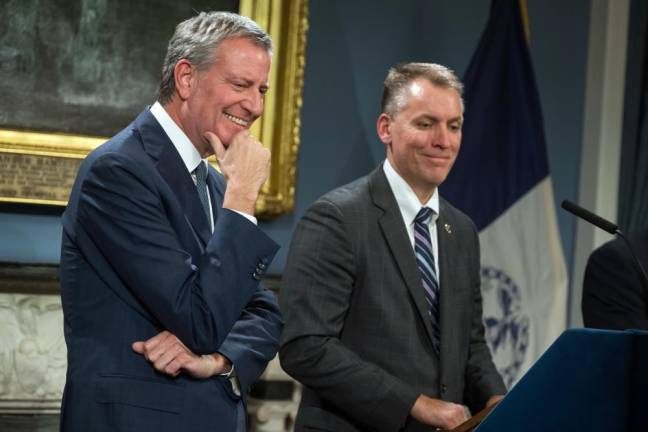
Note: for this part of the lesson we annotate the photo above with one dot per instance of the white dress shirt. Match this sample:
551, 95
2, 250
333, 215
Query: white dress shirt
409, 206
188, 152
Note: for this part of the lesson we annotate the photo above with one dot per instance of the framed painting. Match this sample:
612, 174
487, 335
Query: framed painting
73, 73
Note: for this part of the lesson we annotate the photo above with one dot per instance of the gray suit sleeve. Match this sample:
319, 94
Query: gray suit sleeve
482, 378
316, 292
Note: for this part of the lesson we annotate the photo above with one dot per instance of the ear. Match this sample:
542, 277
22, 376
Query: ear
383, 127
184, 74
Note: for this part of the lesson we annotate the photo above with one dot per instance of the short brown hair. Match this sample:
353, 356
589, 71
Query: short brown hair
400, 75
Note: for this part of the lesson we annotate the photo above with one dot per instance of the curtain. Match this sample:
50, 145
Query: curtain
633, 182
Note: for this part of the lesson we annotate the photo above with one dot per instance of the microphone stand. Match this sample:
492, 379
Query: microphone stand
607, 226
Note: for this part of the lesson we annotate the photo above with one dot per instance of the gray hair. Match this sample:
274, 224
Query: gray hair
197, 39
399, 76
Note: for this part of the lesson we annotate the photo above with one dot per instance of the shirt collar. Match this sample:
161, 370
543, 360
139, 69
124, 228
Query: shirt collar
407, 201
180, 140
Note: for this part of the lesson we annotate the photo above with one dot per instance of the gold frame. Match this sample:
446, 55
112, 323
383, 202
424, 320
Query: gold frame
278, 128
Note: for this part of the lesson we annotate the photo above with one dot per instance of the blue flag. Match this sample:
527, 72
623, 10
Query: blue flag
501, 180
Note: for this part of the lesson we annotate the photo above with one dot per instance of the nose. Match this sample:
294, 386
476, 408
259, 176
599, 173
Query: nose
254, 103
441, 137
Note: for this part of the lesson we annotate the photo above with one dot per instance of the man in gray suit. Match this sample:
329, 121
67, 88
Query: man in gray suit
381, 296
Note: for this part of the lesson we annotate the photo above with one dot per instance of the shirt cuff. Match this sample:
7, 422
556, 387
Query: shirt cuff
234, 381
229, 373
248, 217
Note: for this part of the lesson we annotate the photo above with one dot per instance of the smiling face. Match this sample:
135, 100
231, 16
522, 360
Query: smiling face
424, 136
226, 98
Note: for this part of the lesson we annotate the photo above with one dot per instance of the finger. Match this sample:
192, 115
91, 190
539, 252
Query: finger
179, 342
138, 347
151, 343
167, 357
167, 349
169, 343
216, 144
173, 368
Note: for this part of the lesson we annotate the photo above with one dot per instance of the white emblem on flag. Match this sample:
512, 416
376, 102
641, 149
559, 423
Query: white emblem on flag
507, 325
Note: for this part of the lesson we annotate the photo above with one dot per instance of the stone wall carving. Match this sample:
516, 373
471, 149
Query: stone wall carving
32, 353
33, 358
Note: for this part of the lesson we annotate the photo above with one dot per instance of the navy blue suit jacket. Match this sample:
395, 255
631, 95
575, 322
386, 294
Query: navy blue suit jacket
137, 258
615, 297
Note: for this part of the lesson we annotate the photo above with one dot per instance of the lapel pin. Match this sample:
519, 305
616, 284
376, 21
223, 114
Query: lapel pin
448, 228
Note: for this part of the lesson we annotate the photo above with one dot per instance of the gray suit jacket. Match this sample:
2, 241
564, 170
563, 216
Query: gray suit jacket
357, 331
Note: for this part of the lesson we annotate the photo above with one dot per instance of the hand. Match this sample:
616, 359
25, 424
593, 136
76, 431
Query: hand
170, 356
438, 413
245, 163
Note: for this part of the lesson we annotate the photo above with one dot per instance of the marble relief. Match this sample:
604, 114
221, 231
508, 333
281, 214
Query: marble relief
32, 353
33, 364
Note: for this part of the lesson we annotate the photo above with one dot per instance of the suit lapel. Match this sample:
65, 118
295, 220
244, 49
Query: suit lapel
171, 167
449, 293
397, 238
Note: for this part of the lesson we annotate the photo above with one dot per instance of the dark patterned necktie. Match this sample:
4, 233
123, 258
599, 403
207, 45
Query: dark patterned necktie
425, 260
201, 184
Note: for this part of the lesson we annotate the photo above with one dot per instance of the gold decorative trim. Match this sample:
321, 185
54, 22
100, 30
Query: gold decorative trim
280, 125
47, 144
278, 128
52, 202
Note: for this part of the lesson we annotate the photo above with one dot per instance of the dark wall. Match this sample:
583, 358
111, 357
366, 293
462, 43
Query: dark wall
61, 60
352, 44
350, 47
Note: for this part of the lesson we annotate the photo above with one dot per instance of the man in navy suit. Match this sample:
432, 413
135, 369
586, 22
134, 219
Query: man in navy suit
165, 322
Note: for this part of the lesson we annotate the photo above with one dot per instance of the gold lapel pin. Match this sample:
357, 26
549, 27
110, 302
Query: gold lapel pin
448, 228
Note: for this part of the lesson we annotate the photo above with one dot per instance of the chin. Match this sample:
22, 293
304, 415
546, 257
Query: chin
436, 178
228, 136
226, 139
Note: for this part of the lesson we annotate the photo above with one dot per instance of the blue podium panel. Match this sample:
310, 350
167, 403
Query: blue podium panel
588, 380
639, 404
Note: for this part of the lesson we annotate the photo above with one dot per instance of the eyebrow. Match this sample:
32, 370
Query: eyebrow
436, 119
249, 82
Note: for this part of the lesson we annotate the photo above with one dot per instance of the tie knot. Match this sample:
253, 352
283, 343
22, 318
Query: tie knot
423, 215
201, 173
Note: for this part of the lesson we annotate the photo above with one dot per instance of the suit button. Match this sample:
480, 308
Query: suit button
444, 388
261, 266
256, 276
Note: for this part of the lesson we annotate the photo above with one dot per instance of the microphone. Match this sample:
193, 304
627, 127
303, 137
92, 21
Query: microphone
590, 217
605, 225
